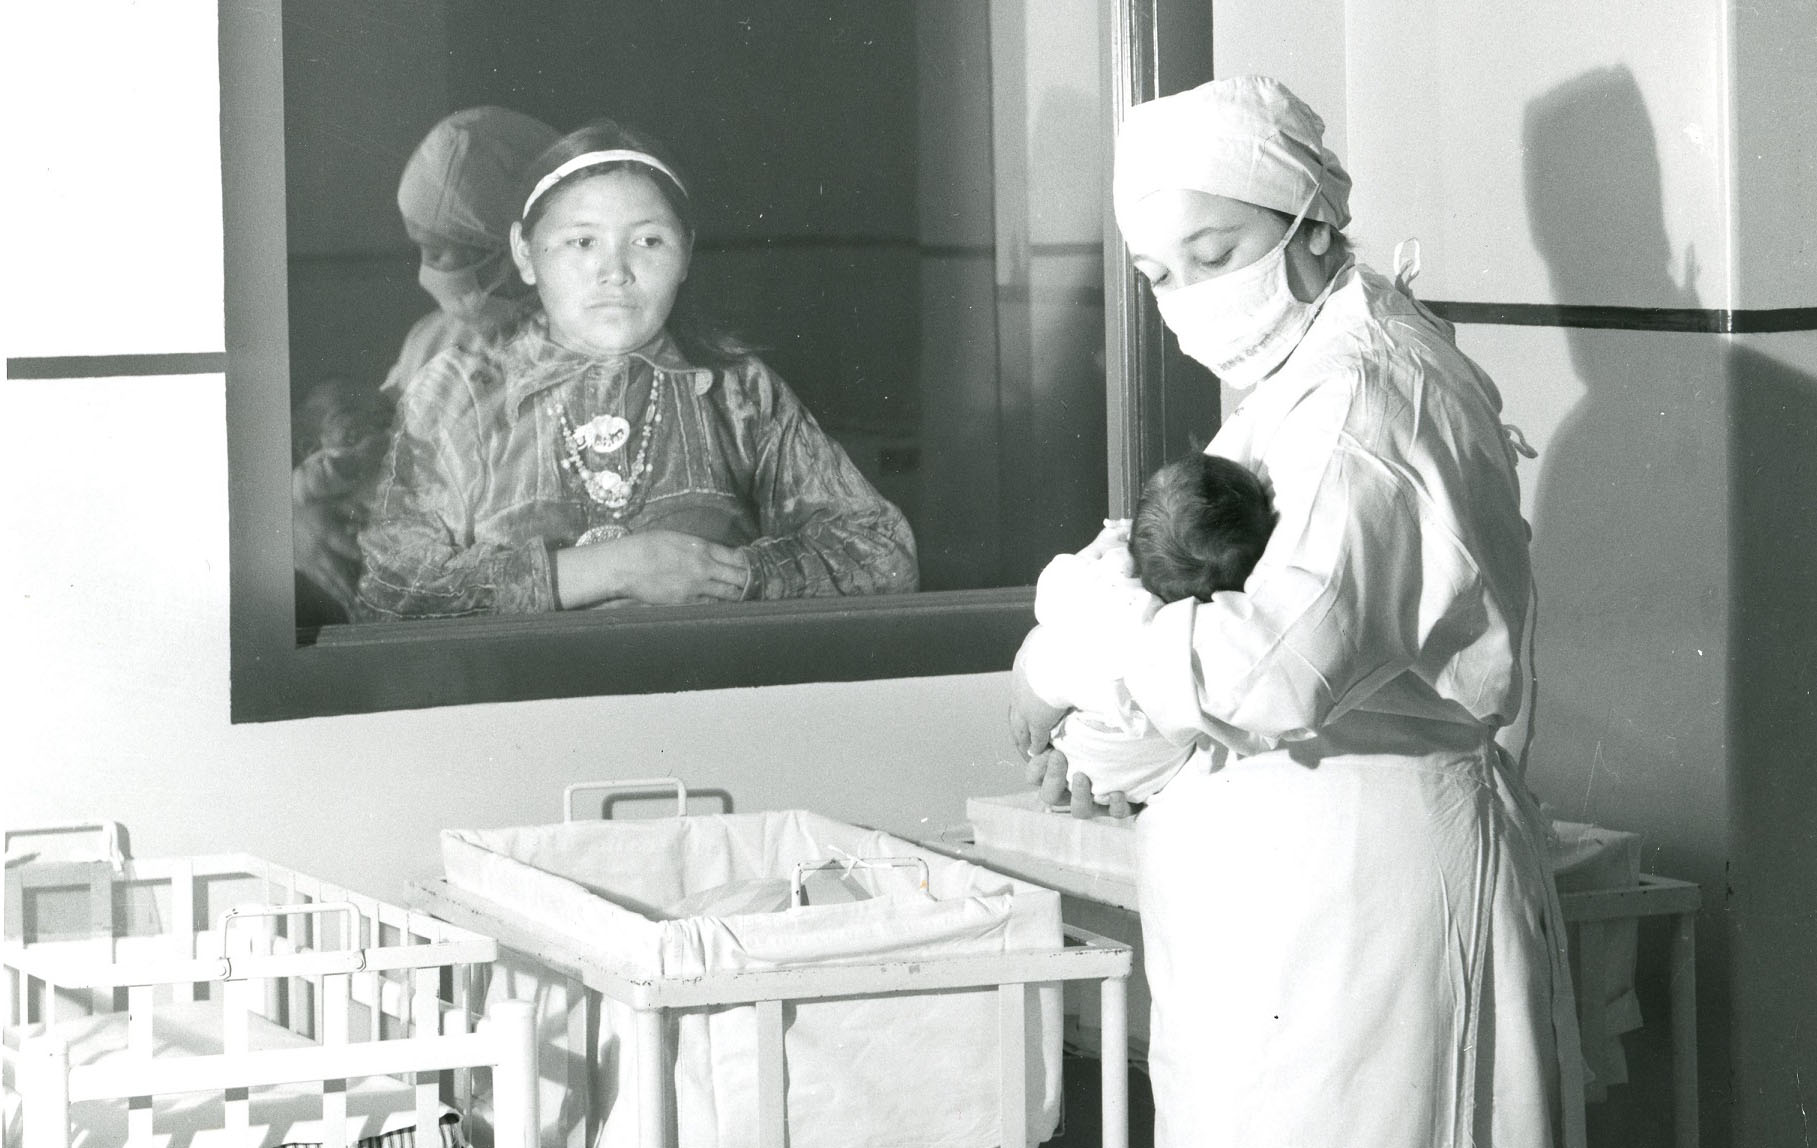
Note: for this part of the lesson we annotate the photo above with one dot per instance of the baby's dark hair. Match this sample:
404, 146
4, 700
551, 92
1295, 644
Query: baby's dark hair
1200, 526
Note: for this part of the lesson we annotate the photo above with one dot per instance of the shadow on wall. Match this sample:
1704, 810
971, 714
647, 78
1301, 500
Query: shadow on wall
1675, 539
1631, 534
1772, 899
1630, 551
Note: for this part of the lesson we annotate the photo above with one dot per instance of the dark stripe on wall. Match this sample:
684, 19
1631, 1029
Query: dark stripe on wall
1682, 319
116, 366
1773, 321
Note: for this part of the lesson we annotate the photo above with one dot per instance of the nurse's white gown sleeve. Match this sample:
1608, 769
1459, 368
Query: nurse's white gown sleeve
1359, 586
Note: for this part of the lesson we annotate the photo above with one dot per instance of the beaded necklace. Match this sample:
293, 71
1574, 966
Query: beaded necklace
584, 451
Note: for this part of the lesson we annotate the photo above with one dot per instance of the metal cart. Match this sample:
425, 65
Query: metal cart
1016, 975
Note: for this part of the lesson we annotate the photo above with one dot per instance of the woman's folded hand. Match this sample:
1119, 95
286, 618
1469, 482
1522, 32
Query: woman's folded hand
656, 567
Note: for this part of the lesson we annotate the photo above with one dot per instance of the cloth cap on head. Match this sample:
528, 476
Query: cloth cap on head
463, 181
1246, 138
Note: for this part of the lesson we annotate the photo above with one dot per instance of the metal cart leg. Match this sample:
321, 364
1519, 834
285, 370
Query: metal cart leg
1012, 1042
1684, 1030
582, 1061
515, 1123
1589, 974
1114, 1019
772, 1077
45, 1062
651, 1118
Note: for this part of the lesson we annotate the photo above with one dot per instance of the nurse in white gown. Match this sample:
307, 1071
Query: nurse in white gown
1351, 934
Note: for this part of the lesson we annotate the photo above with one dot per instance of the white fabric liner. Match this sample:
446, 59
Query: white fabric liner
893, 1070
281, 1114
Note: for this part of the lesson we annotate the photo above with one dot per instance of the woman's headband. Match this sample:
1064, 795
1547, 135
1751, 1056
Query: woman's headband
594, 159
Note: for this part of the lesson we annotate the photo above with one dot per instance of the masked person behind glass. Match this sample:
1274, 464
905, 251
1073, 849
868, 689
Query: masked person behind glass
618, 447
1200, 524
1351, 932
458, 196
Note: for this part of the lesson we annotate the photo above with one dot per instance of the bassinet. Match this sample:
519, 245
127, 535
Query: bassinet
912, 1017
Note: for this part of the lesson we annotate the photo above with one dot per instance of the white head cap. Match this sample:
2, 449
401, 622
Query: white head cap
1246, 138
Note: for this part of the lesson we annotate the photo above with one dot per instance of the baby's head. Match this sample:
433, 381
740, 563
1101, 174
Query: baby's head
1200, 526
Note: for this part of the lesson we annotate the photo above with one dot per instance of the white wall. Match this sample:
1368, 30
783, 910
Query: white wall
113, 243
1440, 96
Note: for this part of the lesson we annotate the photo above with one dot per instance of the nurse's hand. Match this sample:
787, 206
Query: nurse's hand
1048, 771
1031, 717
656, 567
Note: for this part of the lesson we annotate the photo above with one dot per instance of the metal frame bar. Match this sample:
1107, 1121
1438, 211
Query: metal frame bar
1148, 384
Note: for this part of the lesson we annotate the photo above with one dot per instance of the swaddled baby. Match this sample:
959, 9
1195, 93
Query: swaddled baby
1200, 526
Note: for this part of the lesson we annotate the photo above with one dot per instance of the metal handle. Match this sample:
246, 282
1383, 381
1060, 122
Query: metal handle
112, 839
629, 784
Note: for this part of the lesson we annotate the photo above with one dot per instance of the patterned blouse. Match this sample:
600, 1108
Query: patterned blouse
488, 475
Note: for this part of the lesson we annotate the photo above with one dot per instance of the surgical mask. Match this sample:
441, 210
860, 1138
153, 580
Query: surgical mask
468, 293
1245, 323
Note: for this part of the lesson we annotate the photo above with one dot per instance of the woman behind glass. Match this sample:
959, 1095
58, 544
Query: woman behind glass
618, 447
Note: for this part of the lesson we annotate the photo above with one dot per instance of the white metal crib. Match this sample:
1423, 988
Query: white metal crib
307, 1014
